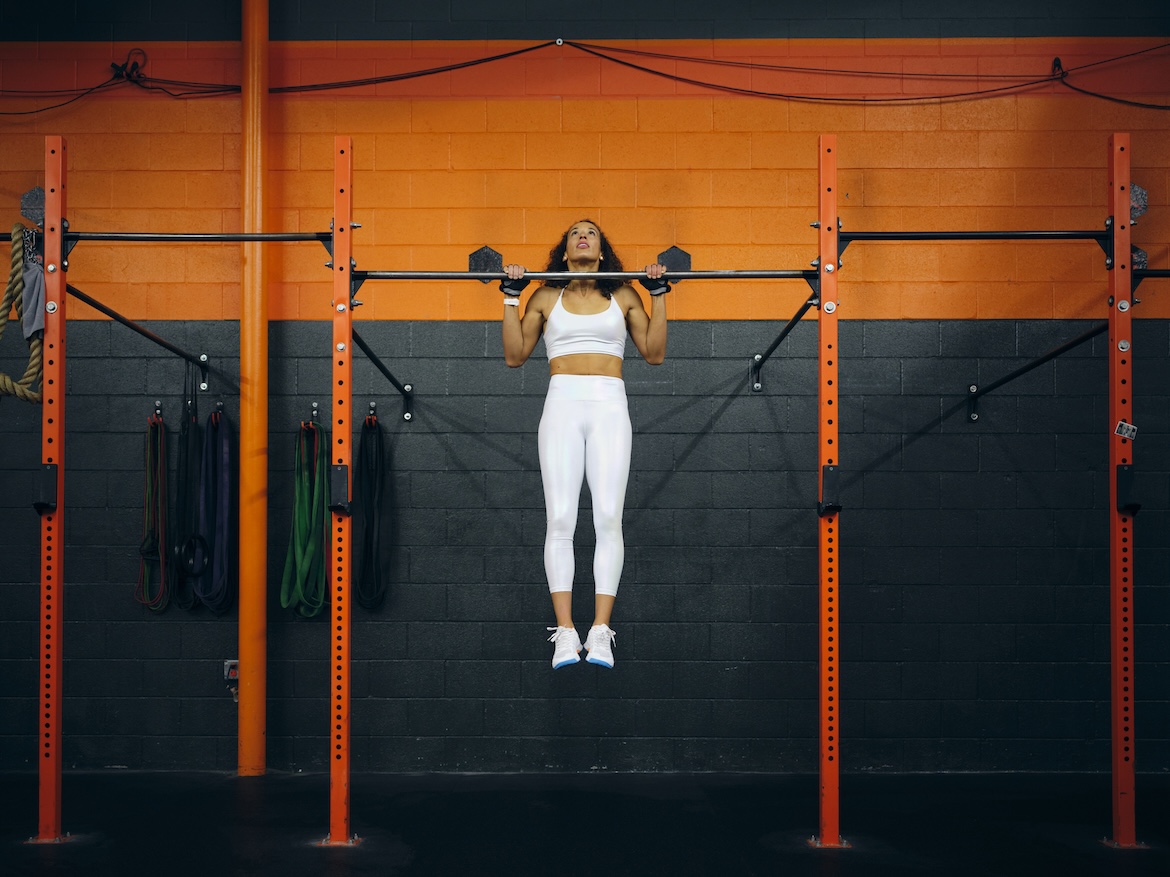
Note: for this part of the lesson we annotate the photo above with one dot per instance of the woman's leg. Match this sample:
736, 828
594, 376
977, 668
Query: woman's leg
602, 608
607, 468
561, 445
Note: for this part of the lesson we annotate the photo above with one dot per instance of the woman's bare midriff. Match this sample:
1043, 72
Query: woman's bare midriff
586, 364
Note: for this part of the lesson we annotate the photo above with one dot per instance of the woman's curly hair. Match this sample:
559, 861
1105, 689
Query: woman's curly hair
556, 260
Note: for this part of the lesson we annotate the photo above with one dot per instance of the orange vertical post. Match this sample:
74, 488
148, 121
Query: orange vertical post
52, 508
341, 523
251, 746
1121, 522
828, 508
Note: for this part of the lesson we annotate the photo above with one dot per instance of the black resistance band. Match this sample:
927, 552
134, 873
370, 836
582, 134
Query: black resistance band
368, 487
214, 584
152, 591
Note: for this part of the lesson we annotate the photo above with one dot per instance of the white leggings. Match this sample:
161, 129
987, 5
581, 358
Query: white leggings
585, 432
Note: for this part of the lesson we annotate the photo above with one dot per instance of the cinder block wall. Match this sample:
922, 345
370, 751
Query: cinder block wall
973, 556
973, 559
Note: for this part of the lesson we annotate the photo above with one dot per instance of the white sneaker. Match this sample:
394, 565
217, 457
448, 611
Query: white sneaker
600, 645
568, 644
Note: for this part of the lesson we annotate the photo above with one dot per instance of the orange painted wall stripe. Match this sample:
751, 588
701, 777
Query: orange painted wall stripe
507, 153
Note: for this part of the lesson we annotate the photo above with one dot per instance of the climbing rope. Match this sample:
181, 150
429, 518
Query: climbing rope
14, 297
153, 591
368, 483
302, 587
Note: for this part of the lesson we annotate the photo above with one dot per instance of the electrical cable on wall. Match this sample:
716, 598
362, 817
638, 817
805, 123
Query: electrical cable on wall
130, 73
1016, 83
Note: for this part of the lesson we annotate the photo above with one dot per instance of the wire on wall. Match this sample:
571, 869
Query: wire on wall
131, 73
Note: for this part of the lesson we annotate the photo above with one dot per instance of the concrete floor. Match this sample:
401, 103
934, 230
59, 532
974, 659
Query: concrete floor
214, 825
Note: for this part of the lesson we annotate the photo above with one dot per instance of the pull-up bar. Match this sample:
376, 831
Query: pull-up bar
488, 276
71, 237
848, 237
212, 237
486, 265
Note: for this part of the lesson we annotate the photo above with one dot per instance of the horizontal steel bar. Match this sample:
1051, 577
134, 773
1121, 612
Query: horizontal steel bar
154, 237
732, 274
973, 235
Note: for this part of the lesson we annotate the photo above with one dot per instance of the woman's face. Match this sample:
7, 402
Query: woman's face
583, 243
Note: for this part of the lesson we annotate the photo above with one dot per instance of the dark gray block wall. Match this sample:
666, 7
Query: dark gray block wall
974, 559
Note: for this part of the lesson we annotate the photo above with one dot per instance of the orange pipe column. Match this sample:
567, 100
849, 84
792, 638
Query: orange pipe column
52, 518
828, 510
1121, 522
341, 531
253, 535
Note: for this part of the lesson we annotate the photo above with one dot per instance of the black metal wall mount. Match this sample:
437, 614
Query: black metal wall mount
407, 390
198, 360
975, 391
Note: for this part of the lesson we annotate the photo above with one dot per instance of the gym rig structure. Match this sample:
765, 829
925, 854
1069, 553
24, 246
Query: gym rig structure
1123, 279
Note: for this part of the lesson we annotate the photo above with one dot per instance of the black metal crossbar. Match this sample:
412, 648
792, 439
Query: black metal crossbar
200, 360
177, 237
407, 390
210, 237
757, 363
488, 276
975, 391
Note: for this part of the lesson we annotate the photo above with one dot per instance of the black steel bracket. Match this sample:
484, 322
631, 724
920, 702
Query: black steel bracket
407, 390
45, 488
1127, 503
974, 391
830, 501
755, 381
339, 499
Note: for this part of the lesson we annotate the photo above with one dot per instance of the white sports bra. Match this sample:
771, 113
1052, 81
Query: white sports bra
566, 332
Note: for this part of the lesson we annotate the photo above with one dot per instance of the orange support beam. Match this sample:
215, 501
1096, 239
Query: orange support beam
341, 442
251, 742
828, 506
1121, 520
52, 516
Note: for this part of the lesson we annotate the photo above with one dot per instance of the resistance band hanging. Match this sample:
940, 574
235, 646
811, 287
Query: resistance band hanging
153, 591
214, 585
302, 587
189, 551
368, 488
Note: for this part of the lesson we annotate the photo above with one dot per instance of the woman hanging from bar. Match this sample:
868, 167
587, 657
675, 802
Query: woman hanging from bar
585, 429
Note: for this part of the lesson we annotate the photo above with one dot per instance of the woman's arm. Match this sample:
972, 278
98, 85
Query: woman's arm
647, 331
520, 333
